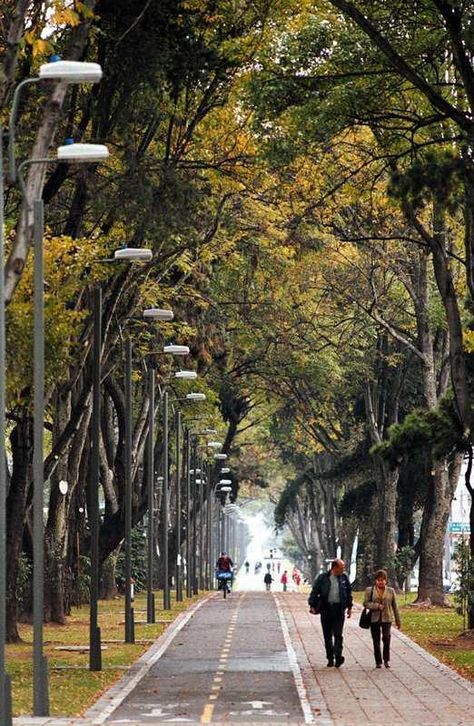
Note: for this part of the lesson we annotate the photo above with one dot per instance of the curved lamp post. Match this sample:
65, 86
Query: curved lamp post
183, 375
148, 315
192, 397
66, 72
76, 152
126, 254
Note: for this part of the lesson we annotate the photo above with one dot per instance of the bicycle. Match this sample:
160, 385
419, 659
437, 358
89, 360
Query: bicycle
223, 582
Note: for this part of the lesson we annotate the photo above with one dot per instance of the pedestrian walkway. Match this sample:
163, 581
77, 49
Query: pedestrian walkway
259, 658
418, 689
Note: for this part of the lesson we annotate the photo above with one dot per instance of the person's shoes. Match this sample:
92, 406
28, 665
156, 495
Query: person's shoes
340, 661
387, 664
330, 664
378, 665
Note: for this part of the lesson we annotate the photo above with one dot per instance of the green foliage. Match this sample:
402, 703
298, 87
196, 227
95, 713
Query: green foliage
139, 560
82, 583
23, 583
357, 502
402, 562
420, 429
434, 176
287, 501
464, 593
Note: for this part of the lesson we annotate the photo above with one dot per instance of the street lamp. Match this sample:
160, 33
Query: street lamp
68, 72
176, 349
40, 672
157, 314
5, 684
56, 70
153, 315
193, 396
186, 375
187, 449
183, 375
95, 653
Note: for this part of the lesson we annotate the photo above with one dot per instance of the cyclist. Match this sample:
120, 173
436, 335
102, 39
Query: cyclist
224, 566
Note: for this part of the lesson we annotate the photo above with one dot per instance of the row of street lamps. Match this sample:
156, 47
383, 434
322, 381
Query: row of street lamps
65, 72
80, 72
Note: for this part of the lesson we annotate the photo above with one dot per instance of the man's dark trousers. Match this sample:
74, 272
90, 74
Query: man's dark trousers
332, 623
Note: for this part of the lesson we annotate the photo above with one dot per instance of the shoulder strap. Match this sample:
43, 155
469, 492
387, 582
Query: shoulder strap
372, 594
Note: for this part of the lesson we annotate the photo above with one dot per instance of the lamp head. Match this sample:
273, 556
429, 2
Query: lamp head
70, 71
186, 375
81, 153
176, 349
196, 396
133, 253
157, 314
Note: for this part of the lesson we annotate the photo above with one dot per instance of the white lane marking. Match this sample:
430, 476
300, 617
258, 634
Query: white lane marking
123, 689
267, 712
300, 687
258, 704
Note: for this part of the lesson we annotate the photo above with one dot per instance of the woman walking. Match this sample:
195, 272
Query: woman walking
381, 601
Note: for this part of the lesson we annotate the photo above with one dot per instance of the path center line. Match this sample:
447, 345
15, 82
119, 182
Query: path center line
208, 710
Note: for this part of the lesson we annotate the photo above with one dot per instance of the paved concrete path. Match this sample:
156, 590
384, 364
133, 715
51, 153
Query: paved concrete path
417, 690
259, 658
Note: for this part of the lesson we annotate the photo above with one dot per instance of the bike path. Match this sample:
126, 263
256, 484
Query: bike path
228, 663
258, 657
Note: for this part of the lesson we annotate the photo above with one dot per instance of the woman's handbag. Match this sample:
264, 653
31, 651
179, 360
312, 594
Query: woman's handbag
365, 616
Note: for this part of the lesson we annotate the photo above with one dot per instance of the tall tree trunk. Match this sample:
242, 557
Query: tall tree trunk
15, 32
365, 559
433, 529
22, 449
385, 538
108, 582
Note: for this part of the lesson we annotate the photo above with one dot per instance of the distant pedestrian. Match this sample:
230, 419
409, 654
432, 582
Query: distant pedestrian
247, 567
268, 579
331, 596
284, 580
278, 566
381, 601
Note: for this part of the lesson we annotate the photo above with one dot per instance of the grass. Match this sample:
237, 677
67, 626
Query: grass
72, 687
437, 630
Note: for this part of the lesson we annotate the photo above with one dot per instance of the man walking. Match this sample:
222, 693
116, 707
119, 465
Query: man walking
331, 596
268, 579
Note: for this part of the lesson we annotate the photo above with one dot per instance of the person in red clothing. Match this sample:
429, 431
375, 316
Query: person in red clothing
284, 580
224, 570
224, 563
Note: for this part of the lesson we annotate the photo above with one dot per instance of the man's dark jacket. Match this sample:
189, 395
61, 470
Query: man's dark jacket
319, 594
